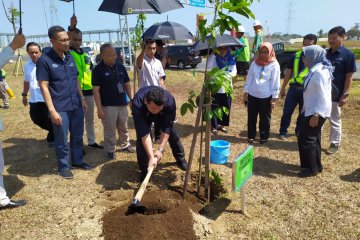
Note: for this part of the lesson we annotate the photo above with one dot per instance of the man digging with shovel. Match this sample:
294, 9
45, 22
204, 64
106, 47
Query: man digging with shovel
155, 104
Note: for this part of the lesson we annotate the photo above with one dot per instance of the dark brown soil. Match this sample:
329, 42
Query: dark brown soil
165, 216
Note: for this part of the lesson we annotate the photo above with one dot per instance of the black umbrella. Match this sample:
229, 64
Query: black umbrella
167, 31
73, 4
125, 7
224, 40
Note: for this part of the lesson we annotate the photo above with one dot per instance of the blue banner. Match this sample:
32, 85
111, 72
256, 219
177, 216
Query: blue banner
198, 3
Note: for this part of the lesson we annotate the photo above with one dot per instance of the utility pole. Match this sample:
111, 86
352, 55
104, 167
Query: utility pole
289, 17
53, 12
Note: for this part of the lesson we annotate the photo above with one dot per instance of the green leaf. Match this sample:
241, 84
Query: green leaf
191, 107
209, 115
225, 110
191, 102
183, 109
218, 112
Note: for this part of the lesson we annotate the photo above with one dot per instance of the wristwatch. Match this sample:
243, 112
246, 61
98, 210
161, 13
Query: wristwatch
24, 94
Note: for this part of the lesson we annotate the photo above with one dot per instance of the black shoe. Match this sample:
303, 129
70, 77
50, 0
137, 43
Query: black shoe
182, 164
66, 173
250, 140
14, 204
95, 145
263, 141
307, 173
83, 166
5, 107
110, 155
142, 176
129, 149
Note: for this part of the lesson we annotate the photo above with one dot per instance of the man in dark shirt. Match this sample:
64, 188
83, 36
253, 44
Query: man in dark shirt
57, 75
84, 65
344, 63
295, 74
111, 83
155, 104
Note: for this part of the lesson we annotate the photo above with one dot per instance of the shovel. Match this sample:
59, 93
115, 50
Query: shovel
135, 204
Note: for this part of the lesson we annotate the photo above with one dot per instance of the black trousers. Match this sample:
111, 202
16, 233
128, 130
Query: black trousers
261, 107
309, 141
39, 114
175, 145
221, 100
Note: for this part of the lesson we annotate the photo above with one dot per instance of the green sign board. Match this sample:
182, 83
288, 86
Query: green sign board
242, 168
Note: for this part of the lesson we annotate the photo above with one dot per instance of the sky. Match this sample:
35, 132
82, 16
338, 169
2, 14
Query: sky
307, 16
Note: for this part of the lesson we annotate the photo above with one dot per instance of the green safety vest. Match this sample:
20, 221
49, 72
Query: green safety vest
83, 64
243, 54
296, 77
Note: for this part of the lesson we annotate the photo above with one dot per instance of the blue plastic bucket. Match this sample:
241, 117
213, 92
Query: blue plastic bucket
219, 151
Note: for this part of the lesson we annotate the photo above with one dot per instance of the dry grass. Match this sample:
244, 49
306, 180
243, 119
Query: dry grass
279, 204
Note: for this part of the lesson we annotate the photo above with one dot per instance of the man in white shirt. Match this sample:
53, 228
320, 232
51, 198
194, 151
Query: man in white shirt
151, 72
151, 69
39, 113
5, 55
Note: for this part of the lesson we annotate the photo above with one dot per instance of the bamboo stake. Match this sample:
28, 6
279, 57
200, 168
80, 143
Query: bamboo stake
207, 154
193, 143
200, 161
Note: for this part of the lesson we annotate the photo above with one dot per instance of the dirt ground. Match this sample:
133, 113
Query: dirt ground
279, 205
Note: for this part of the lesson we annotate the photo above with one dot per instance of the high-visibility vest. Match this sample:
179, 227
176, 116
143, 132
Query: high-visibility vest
296, 77
83, 64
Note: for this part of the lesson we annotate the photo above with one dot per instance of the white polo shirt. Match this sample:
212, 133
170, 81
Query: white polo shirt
30, 77
151, 72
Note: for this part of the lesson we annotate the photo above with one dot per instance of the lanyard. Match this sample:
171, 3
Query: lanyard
116, 77
308, 77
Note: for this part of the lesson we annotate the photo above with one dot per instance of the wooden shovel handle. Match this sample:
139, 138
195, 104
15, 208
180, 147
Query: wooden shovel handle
142, 188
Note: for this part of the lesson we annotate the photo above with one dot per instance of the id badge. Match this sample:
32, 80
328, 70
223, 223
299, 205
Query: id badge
120, 88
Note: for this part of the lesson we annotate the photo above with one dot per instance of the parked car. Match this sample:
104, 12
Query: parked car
282, 57
120, 55
89, 51
182, 56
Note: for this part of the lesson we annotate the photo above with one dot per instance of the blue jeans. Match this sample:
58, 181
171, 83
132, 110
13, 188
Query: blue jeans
293, 98
73, 122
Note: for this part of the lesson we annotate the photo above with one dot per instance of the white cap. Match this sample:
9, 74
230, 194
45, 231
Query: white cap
257, 23
241, 29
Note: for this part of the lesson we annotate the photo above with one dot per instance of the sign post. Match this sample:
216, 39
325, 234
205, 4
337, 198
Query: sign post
242, 171
197, 3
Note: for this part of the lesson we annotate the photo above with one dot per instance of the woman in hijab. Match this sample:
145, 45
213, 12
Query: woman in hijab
317, 107
261, 91
222, 59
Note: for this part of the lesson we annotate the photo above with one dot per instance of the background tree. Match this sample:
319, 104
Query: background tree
321, 33
136, 39
12, 15
354, 31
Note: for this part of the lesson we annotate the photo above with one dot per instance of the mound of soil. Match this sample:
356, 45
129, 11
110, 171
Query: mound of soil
163, 215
